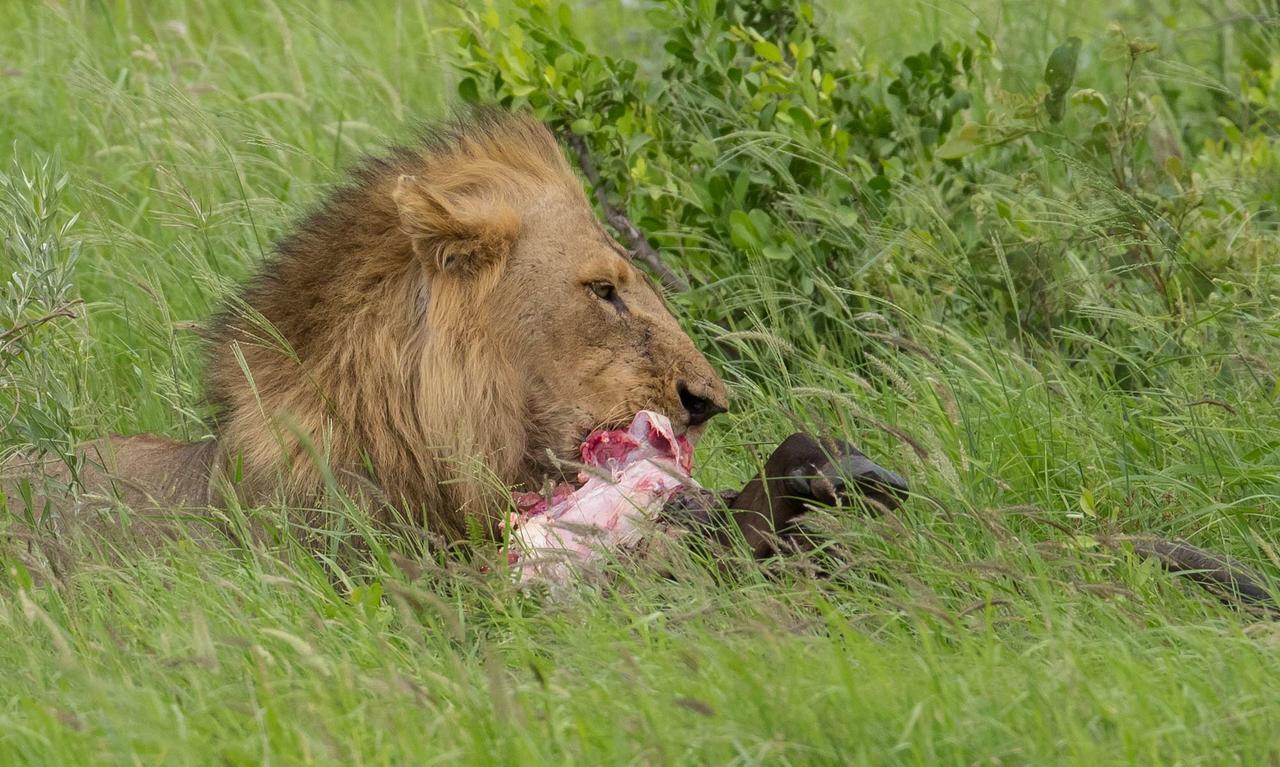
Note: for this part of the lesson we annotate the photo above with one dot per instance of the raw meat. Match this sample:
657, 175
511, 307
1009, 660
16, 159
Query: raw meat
627, 476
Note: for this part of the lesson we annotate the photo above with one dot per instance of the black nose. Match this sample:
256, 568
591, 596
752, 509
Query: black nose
700, 407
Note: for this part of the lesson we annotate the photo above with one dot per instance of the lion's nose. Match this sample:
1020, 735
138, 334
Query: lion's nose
701, 405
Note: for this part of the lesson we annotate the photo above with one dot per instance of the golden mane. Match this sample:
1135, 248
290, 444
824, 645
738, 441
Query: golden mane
358, 347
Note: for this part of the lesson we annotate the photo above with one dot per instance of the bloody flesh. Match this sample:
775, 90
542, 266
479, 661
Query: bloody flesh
627, 476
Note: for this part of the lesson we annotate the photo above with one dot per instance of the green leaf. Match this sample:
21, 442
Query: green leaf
742, 231
703, 149
1090, 98
775, 252
468, 91
1059, 73
768, 51
964, 141
1087, 504
582, 126
762, 222
828, 84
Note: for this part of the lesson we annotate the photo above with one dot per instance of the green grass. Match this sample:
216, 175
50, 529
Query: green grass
978, 625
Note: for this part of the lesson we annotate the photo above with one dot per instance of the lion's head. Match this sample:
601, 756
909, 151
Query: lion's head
457, 308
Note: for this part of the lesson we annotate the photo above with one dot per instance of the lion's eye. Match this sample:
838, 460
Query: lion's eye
605, 291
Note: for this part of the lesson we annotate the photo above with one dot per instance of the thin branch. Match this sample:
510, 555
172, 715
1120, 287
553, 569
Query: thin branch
11, 335
1215, 403
632, 237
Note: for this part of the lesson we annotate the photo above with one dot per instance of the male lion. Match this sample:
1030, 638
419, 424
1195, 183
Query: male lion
441, 328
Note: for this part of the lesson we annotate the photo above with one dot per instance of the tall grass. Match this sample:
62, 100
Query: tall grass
981, 623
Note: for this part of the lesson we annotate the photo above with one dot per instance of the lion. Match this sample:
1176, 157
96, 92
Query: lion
447, 325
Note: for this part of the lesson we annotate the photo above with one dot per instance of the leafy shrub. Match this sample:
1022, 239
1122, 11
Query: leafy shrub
754, 149
753, 146
41, 349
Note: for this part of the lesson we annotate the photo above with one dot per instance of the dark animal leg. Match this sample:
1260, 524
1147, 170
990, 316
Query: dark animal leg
1225, 577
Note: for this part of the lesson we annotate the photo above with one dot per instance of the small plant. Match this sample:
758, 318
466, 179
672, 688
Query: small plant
41, 344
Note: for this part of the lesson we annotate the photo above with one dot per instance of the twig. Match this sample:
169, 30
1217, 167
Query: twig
1215, 403
632, 237
17, 331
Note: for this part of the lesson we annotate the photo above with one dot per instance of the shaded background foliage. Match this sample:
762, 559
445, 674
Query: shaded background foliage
758, 149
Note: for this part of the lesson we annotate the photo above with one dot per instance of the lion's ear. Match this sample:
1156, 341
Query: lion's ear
457, 234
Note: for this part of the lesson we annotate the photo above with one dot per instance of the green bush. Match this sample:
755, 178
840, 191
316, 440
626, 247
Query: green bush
752, 148
758, 149
41, 345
